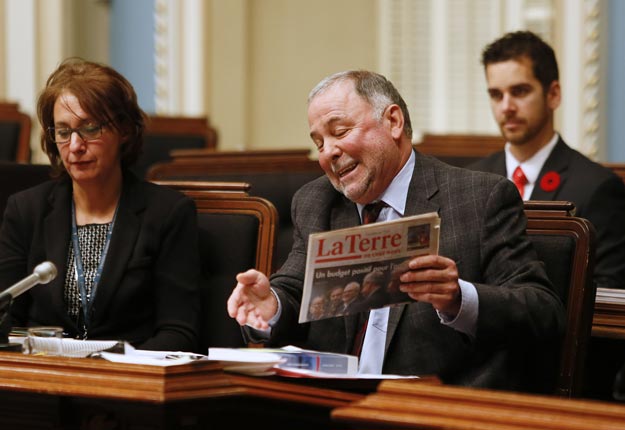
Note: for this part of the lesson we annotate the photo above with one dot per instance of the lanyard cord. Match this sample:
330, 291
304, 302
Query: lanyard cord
86, 299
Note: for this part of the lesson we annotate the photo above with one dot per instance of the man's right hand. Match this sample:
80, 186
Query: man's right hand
252, 302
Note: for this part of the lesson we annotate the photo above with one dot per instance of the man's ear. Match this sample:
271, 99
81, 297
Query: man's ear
395, 118
554, 95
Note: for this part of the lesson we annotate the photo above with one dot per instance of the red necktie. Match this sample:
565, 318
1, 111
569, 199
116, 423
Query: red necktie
370, 214
519, 179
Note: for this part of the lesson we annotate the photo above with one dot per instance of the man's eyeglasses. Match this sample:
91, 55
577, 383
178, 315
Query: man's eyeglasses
86, 132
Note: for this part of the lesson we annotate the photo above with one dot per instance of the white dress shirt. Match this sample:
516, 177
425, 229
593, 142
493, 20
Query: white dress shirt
531, 167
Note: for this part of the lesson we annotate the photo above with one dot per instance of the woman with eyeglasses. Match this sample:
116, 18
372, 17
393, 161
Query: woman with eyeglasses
126, 250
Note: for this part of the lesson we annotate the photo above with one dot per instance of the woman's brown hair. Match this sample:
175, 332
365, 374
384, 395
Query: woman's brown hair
104, 94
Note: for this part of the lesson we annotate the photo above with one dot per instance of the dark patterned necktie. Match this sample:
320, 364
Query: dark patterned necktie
371, 211
370, 214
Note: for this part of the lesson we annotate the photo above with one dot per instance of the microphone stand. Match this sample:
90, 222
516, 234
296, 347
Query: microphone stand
42, 274
5, 346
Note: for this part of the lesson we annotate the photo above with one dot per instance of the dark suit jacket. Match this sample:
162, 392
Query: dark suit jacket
483, 231
599, 196
353, 306
148, 292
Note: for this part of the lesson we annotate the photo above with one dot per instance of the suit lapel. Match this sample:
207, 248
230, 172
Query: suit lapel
558, 163
344, 214
57, 239
421, 199
393, 320
423, 188
351, 328
125, 231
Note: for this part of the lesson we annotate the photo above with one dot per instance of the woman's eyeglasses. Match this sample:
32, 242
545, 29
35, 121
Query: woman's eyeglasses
86, 132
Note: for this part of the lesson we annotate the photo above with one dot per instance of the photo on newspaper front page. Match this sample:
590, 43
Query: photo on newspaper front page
356, 269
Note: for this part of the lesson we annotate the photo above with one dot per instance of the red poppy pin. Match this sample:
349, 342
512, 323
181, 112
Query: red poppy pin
550, 181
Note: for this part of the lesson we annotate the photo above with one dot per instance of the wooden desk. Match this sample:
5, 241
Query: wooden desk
459, 149
609, 321
402, 404
190, 162
80, 393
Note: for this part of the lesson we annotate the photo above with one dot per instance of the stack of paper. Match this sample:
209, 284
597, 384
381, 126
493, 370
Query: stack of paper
610, 295
266, 360
152, 358
250, 361
69, 347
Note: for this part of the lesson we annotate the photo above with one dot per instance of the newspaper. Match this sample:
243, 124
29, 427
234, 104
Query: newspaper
341, 257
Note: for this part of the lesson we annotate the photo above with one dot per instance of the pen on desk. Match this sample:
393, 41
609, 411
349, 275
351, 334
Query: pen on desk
184, 355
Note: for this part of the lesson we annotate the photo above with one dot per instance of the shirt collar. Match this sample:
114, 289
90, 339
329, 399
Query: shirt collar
396, 193
532, 166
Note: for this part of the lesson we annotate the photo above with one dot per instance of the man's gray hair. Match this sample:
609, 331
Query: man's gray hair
378, 91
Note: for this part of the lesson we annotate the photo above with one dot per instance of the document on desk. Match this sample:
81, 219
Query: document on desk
249, 361
268, 360
69, 347
110, 350
152, 358
83, 348
305, 373
316, 361
294, 362
610, 296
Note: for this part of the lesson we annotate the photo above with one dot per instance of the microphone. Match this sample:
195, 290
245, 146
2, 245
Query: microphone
42, 274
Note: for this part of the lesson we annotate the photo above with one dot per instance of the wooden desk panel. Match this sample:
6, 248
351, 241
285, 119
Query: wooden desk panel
68, 393
401, 404
459, 149
609, 321
232, 162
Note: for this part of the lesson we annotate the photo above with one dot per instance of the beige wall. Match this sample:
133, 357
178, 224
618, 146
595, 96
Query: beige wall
90, 38
2, 54
63, 28
262, 58
268, 57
